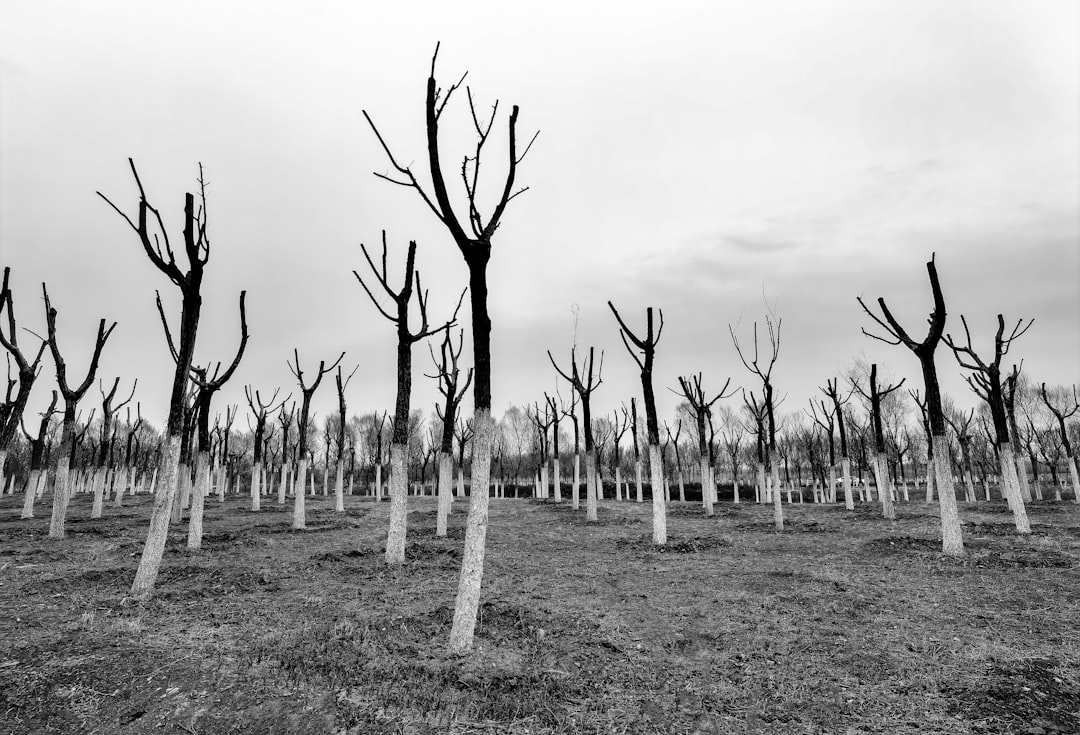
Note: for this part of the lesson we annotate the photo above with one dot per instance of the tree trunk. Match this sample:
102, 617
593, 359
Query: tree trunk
150, 562
830, 492
256, 491
952, 537
557, 482
884, 494
706, 496
1022, 475
544, 492
467, 604
198, 500
576, 491
31, 492
446, 490
659, 507
378, 481
399, 490
62, 483
591, 489
299, 518
845, 471
1075, 476
283, 486
1010, 484
100, 476
637, 480
778, 508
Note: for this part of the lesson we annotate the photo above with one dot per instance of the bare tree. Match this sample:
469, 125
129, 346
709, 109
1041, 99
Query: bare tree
952, 539
108, 410
399, 316
985, 381
772, 323
453, 391
36, 481
673, 441
1063, 406
299, 516
827, 422
875, 397
620, 426
543, 423
12, 407
690, 389
646, 346
261, 411
339, 469
285, 419
961, 426
556, 413
584, 382
72, 396
1011, 389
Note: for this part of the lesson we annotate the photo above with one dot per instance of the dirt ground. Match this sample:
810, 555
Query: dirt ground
844, 623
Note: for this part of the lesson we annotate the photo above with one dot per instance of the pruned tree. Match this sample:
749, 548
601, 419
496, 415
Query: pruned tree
475, 246
985, 381
154, 239
827, 421
36, 481
758, 412
556, 413
543, 423
285, 419
448, 375
673, 441
132, 440
875, 396
952, 539
961, 426
208, 384
831, 390
620, 427
1011, 389
339, 467
764, 373
299, 520
646, 346
1063, 406
691, 389
584, 381
108, 410
72, 396
12, 407
262, 410
406, 338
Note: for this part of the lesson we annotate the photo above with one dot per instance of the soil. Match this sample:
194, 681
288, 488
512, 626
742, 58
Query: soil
842, 623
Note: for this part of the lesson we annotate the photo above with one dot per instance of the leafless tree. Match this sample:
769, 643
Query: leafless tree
691, 389
875, 396
764, 372
339, 470
646, 346
261, 411
108, 410
307, 391
985, 381
475, 246
1064, 405
36, 481
448, 375
584, 381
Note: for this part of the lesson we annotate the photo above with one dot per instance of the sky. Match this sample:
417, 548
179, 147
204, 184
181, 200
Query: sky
704, 158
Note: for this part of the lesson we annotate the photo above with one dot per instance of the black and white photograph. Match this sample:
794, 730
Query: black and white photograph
692, 367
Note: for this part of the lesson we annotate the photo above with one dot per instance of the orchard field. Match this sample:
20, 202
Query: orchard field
843, 623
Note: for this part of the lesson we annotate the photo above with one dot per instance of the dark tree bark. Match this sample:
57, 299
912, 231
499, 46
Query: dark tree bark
475, 246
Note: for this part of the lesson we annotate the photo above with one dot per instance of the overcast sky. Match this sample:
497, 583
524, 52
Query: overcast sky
692, 157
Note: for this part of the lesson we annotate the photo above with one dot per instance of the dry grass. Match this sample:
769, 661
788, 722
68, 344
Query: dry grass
844, 623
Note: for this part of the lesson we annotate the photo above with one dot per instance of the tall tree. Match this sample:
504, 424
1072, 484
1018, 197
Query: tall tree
108, 410
154, 239
952, 539
646, 346
406, 338
307, 391
769, 403
985, 381
475, 246
72, 396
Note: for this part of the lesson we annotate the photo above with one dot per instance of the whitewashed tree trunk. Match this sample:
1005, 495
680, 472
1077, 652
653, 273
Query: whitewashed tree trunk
61, 496
830, 492
99, 493
256, 491
1022, 477
778, 507
378, 481
150, 562
682, 486
467, 604
1074, 475
31, 492
284, 485
3, 463
446, 480
339, 487
952, 536
591, 489
659, 507
460, 492
845, 479
311, 486
932, 475
1010, 484
299, 513
121, 487
637, 480
198, 500
557, 482
618, 484
576, 490
399, 506
884, 495
706, 496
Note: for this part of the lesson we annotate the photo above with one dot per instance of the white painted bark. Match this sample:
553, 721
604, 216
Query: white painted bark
256, 492
637, 480
3, 463
952, 536
591, 489
378, 481
339, 487
446, 479
888, 512
706, 496
576, 490
778, 508
198, 500
830, 492
1010, 483
931, 476
760, 491
150, 562
557, 482
544, 491
61, 496
31, 492
299, 513
284, 485
682, 486
618, 484
399, 506
467, 604
659, 506
460, 492
312, 485
1022, 477
1074, 475
99, 493
121, 487
845, 475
